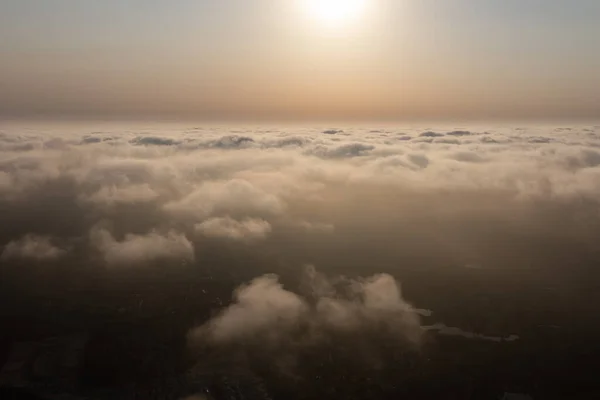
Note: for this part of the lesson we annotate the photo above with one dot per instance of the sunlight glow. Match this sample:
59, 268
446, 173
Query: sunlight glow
336, 11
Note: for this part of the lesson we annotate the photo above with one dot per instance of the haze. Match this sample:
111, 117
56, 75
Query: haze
266, 59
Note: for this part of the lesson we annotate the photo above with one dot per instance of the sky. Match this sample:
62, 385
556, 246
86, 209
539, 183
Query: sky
274, 60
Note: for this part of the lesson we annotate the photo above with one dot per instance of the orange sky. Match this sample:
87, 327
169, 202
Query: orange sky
267, 59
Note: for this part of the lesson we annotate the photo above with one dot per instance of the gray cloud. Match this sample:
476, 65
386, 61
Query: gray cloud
431, 134
446, 140
419, 160
347, 150
466, 156
232, 142
154, 141
32, 247
458, 133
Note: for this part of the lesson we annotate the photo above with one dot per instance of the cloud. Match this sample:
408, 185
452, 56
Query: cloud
431, 134
247, 229
32, 247
91, 139
443, 329
489, 140
539, 140
138, 249
264, 310
344, 151
355, 204
235, 197
333, 131
294, 141
446, 140
458, 133
5, 181
154, 141
261, 307
315, 226
466, 156
419, 160
585, 158
111, 195
232, 142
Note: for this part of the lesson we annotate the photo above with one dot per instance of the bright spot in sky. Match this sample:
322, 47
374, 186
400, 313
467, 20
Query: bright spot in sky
336, 11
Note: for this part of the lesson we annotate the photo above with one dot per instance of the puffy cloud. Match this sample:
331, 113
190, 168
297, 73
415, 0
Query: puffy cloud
32, 247
264, 310
261, 307
139, 249
226, 227
235, 197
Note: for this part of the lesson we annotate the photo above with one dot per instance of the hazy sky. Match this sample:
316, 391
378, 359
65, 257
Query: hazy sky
246, 59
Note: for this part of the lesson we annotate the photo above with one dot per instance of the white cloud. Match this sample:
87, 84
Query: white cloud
226, 227
139, 249
261, 307
265, 310
235, 197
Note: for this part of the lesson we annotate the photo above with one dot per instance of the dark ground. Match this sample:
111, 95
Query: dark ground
137, 325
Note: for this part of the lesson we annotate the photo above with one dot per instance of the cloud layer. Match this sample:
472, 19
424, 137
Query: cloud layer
397, 203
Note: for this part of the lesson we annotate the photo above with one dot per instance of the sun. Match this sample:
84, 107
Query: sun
336, 11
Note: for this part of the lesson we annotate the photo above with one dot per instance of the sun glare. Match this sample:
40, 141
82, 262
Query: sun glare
336, 11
